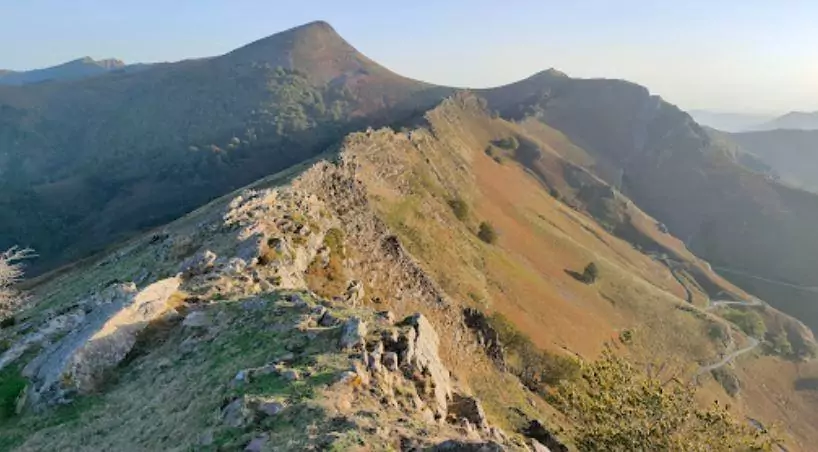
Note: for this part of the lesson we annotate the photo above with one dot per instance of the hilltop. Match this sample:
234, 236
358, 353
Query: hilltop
72, 70
795, 120
791, 153
154, 144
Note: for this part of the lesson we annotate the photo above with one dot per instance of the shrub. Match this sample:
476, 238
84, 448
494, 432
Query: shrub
11, 385
615, 407
11, 271
591, 273
780, 345
509, 143
460, 209
536, 369
487, 233
748, 321
717, 332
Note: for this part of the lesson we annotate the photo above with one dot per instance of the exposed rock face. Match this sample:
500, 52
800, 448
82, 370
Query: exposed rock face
467, 446
537, 431
425, 357
468, 408
353, 334
198, 264
486, 335
79, 360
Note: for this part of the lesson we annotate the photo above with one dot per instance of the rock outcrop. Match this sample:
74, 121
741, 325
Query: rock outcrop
77, 363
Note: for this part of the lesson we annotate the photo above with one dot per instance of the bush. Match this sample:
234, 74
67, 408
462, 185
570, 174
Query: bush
460, 209
11, 385
615, 407
590, 274
780, 345
536, 369
487, 233
748, 321
11, 272
509, 144
717, 332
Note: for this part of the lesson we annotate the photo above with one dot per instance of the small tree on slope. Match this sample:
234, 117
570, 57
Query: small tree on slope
11, 272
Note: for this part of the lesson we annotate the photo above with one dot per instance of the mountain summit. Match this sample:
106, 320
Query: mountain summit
72, 70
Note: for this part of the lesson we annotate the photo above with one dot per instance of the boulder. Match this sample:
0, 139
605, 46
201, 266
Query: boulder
252, 248
390, 361
536, 446
355, 293
353, 334
237, 413
424, 357
469, 408
79, 360
453, 445
257, 444
196, 319
198, 264
537, 431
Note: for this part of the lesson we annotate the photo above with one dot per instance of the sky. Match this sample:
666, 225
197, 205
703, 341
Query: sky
756, 56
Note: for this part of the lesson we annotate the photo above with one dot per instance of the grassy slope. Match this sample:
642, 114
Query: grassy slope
523, 275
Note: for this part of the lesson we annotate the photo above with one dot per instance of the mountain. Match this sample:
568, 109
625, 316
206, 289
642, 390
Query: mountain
90, 161
796, 120
72, 70
793, 154
350, 303
678, 173
728, 122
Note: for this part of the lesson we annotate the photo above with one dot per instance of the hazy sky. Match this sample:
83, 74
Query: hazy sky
734, 55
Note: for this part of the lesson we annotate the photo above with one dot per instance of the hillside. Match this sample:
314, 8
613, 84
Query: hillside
345, 305
684, 177
796, 120
89, 162
72, 70
793, 154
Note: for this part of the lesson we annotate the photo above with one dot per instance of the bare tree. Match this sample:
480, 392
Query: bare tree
11, 271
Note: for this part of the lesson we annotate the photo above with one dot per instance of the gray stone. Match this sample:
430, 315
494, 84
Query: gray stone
328, 320
353, 334
290, 374
254, 304
237, 414
424, 357
257, 444
198, 264
355, 293
79, 360
469, 408
270, 407
251, 248
390, 361
538, 447
197, 319
453, 445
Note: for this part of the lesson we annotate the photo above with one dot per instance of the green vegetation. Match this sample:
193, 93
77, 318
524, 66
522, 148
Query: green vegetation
537, 369
748, 321
459, 208
717, 332
728, 380
487, 233
779, 344
11, 271
509, 143
614, 407
590, 274
328, 278
11, 385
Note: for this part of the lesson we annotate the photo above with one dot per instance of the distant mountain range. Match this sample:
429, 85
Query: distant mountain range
72, 70
744, 122
792, 154
729, 122
796, 120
